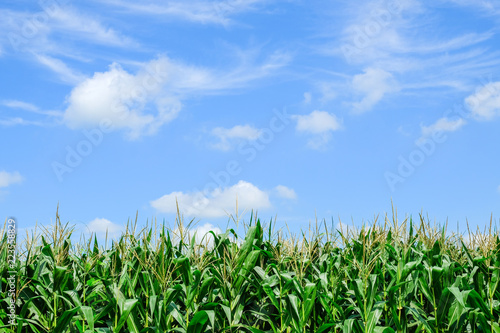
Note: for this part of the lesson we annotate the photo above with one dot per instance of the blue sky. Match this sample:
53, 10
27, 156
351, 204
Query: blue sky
297, 108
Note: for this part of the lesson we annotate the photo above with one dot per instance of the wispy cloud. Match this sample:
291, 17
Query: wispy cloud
15, 121
72, 22
20, 105
488, 7
52, 29
441, 125
65, 74
25, 106
205, 12
42, 117
412, 42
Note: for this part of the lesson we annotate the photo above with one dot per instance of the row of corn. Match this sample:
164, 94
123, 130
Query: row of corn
390, 278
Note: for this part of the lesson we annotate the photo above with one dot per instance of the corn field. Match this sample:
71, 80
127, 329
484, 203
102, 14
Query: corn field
390, 277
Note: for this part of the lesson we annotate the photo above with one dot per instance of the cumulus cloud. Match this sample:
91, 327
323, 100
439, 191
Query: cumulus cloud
141, 103
374, 84
125, 100
285, 192
101, 226
442, 125
228, 138
485, 103
215, 203
319, 124
9, 178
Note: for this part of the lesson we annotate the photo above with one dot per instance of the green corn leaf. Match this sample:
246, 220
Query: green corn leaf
88, 314
64, 320
126, 308
198, 323
476, 302
373, 317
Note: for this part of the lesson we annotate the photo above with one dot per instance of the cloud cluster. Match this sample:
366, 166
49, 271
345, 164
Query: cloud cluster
141, 103
220, 201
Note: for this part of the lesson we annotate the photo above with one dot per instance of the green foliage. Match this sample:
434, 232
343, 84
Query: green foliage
390, 278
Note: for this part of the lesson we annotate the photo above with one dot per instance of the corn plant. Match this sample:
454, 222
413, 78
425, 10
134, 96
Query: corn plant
387, 277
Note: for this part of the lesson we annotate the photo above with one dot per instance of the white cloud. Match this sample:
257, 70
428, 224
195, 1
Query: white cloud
15, 104
320, 124
485, 103
328, 92
20, 105
317, 122
101, 226
9, 178
307, 98
442, 125
374, 84
15, 121
213, 12
230, 137
285, 192
52, 117
46, 30
202, 233
69, 21
403, 131
489, 6
124, 100
215, 203
394, 35
66, 74
141, 103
